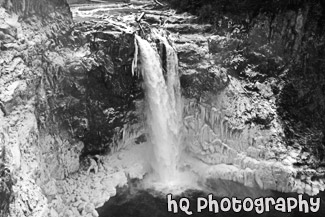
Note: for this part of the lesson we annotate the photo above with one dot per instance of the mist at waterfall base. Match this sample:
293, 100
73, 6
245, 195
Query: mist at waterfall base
147, 197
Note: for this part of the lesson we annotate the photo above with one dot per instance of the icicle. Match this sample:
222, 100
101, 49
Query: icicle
221, 128
135, 59
213, 116
231, 133
204, 133
210, 135
202, 109
225, 124
206, 115
217, 122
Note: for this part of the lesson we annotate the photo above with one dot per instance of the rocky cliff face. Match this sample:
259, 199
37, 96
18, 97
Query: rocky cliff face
250, 79
29, 31
278, 48
64, 91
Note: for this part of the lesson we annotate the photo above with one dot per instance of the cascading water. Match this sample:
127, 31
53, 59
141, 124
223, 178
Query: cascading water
164, 109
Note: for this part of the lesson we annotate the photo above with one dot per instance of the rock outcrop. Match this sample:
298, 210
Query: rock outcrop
65, 91
238, 115
274, 49
28, 30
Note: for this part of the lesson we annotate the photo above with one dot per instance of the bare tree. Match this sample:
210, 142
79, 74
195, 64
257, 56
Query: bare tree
157, 2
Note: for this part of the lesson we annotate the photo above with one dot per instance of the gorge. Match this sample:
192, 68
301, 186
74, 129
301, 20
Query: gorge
99, 95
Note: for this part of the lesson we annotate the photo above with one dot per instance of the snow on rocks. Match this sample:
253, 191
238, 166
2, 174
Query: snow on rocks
81, 193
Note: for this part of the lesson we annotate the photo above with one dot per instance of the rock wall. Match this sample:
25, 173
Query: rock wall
247, 73
66, 91
106, 104
33, 155
277, 47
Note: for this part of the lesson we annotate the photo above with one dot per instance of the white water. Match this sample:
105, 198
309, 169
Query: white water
164, 109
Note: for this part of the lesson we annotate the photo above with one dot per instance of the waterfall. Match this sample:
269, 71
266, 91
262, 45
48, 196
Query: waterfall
164, 107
